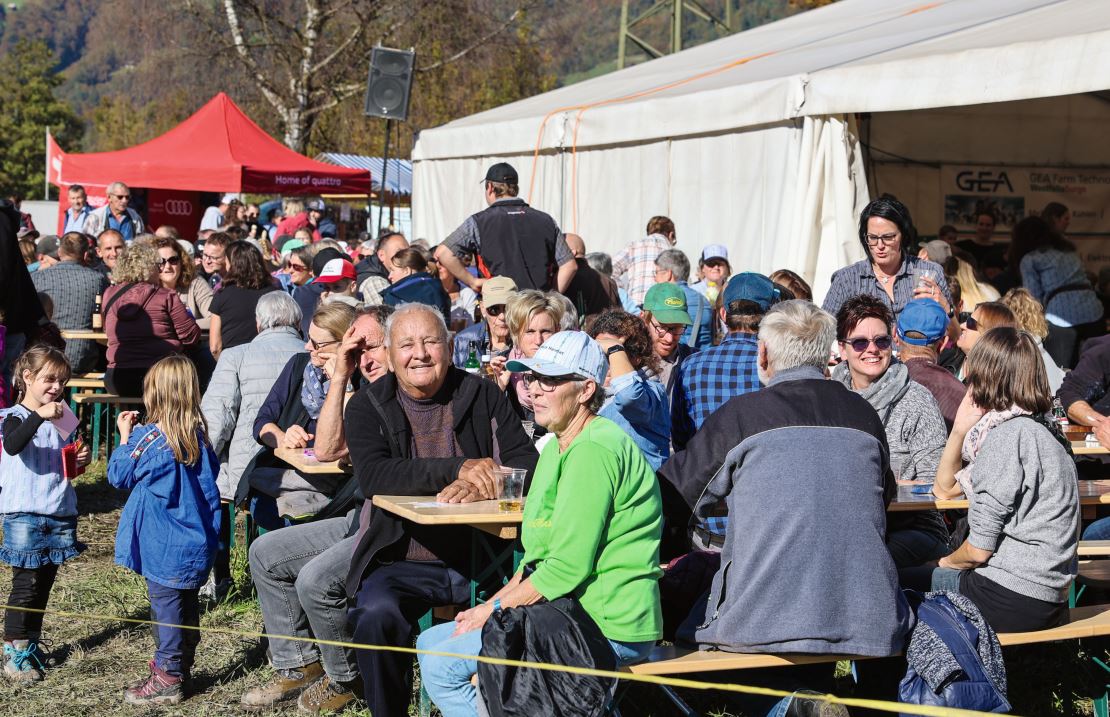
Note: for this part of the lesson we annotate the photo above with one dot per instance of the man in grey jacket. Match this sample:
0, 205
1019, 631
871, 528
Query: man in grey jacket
803, 468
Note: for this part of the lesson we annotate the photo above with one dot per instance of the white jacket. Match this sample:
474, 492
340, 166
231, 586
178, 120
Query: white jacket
243, 378
97, 221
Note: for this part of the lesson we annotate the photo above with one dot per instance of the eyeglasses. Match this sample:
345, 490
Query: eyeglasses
122, 196
888, 239
969, 321
547, 384
317, 345
171, 260
495, 310
209, 257
662, 330
297, 267
860, 345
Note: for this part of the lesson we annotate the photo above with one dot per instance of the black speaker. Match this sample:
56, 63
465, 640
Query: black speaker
390, 83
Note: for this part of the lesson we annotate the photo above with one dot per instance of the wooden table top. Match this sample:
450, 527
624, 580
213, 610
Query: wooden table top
296, 458
484, 515
1080, 448
84, 334
1091, 492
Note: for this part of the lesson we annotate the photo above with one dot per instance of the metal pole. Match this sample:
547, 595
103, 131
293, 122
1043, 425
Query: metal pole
676, 27
623, 33
385, 171
46, 173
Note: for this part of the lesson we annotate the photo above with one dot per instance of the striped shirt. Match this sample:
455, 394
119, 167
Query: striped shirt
31, 481
859, 278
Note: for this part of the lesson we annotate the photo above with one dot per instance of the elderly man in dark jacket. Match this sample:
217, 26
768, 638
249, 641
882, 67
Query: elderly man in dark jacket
803, 468
426, 429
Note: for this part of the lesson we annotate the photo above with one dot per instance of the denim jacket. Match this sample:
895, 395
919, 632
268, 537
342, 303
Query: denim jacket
638, 404
170, 526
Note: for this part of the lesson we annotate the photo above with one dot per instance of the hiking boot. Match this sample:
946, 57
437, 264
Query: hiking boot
161, 688
24, 661
804, 706
326, 695
285, 686
213, 591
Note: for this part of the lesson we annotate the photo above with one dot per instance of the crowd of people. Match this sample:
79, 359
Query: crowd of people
665, 415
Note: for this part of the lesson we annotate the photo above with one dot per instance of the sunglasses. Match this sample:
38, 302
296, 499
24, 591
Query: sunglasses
966, 319
860, 345
122, 196
495, 310
171, 260
297, 267
547, 384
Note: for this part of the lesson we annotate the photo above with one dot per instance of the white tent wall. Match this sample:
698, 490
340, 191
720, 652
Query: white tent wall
784, 196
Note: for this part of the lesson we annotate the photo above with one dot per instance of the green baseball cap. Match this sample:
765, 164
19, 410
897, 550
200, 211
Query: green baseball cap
667, 303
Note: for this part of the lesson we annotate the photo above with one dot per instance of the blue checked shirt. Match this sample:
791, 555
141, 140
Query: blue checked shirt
708, 379
859, 278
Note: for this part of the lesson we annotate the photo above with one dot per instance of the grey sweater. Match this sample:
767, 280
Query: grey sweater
1025, 508
915, 433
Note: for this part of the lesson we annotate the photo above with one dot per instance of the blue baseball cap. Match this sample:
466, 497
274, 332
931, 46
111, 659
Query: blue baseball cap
924, 317
750, 286
567, 353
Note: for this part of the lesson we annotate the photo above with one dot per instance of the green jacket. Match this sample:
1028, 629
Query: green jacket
592, 524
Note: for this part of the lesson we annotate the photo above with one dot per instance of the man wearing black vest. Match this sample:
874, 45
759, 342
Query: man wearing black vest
509, 238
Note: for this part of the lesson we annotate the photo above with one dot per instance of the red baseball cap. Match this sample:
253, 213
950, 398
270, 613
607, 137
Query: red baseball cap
335, 270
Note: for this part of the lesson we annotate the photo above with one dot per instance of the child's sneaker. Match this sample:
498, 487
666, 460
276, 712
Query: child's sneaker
160, 688
24, 661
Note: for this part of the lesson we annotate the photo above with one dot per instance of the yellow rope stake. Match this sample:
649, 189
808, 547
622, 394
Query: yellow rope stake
882, 705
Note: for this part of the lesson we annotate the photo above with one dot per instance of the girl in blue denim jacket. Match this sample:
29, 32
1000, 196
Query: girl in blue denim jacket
169, 529
37, 501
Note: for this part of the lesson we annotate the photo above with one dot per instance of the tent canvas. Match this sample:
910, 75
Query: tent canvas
752, 140
398, 178
217, 149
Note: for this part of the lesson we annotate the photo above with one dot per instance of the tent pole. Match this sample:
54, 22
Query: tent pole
46, 172
385, 171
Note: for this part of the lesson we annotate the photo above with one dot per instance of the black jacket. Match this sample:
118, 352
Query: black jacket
19, 301
370, 266
380, 443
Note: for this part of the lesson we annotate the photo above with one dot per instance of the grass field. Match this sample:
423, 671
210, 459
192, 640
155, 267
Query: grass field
95, 660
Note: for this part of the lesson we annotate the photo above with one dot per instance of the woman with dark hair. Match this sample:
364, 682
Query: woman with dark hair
1057, 216
1020, 554
915, 429
176, 271
1053, 274
890, 273
633, 400
410, 281
232, 309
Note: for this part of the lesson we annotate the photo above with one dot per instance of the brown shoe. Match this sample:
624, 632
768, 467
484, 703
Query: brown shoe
325, 695
286, 686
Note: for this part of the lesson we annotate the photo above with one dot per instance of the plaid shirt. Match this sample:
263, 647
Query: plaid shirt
73, 289
708, 379
634, 266
859, 278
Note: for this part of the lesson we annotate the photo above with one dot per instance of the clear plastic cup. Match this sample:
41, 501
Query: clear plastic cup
511, 489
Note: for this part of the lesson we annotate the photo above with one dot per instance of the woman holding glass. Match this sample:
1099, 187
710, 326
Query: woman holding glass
889, 272
592, 523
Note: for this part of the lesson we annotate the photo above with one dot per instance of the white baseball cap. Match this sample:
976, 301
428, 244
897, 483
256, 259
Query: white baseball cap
567, 353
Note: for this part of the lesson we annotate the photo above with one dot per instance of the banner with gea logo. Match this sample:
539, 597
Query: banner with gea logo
1013, 193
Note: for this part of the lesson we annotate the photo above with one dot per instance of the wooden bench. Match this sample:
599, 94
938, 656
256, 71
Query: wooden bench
665, 660
1094, 548
106, 407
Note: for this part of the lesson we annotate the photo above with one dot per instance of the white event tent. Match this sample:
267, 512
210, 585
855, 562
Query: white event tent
754, 140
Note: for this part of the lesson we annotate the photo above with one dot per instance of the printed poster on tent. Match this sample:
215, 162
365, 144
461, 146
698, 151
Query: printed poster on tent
1013, 193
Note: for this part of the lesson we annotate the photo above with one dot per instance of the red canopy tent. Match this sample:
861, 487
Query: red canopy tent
217, 149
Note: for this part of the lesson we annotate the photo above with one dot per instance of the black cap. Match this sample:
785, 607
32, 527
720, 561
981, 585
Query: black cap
502, 172
323, 257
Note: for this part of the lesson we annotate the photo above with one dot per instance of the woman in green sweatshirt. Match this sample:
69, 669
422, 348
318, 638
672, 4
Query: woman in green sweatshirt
591, 529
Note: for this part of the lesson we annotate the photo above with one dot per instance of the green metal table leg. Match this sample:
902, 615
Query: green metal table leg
96, 431
424, 702
1101, 707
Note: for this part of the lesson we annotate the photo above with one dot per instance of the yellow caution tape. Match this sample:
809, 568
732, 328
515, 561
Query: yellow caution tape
882, 705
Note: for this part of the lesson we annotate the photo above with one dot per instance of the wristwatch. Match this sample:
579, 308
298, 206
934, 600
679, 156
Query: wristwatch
614, 349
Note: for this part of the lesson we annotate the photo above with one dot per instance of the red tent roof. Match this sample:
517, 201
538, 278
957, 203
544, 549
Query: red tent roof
218, 149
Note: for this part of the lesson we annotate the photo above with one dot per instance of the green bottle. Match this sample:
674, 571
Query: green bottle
472, 365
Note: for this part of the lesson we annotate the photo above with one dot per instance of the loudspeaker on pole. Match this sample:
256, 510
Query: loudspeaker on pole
390, 83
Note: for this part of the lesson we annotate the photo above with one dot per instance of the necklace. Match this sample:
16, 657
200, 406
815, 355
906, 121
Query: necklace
883, 278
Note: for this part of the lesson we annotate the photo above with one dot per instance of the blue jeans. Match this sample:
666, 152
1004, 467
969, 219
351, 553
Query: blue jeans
1098, 530
174, 647
447, 679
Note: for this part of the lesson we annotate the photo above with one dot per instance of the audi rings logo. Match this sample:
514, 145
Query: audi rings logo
178, 207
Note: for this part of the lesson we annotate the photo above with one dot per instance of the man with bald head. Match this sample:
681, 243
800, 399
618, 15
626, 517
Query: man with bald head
590, 291
116, 214
373, 270
108, 247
